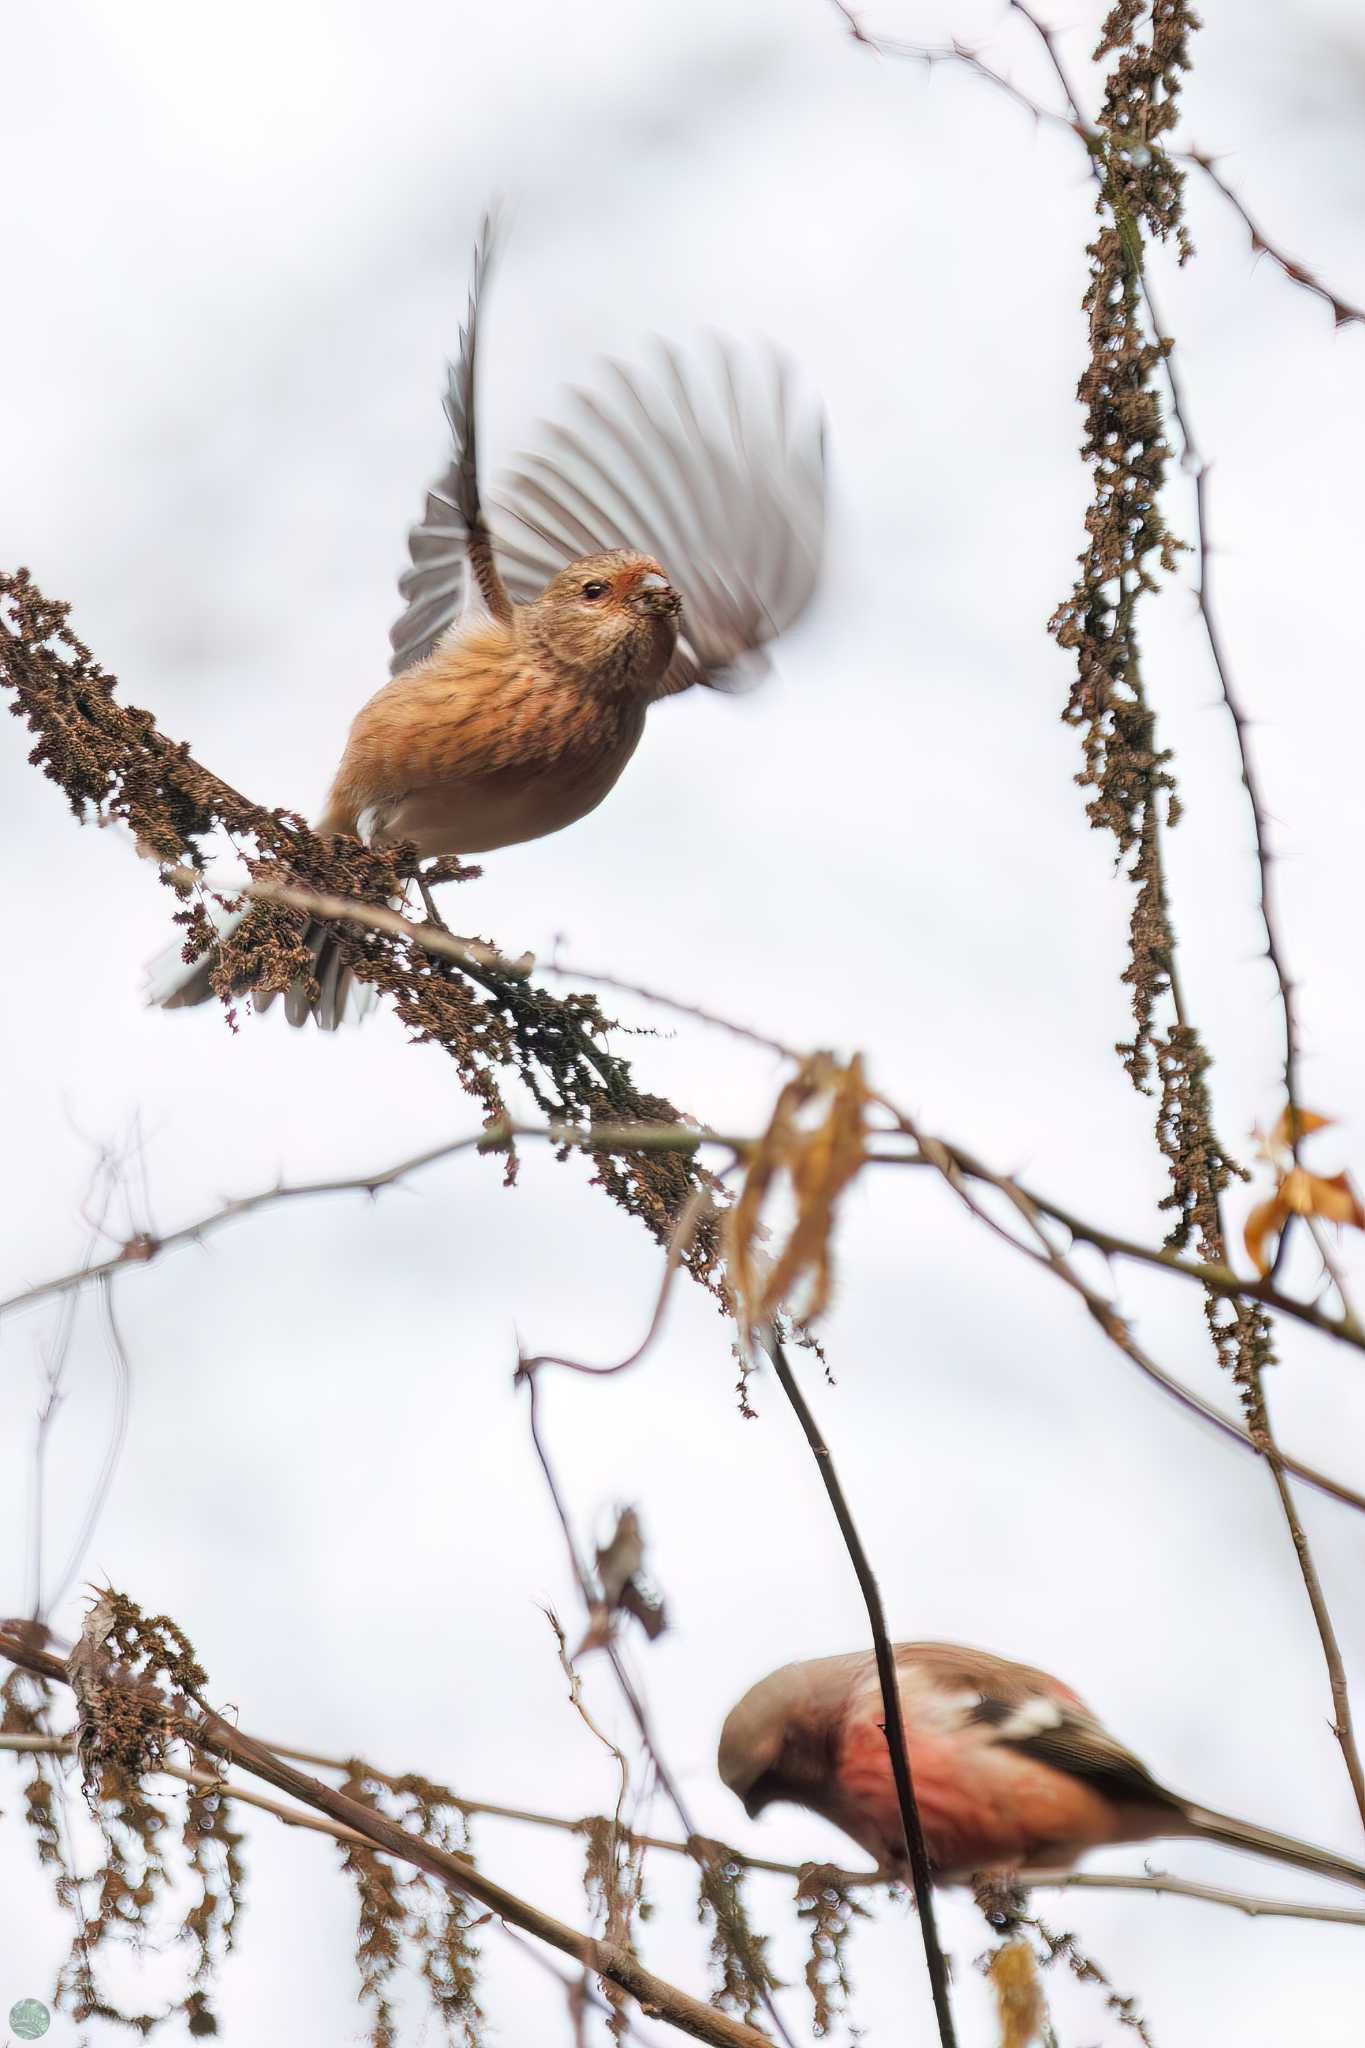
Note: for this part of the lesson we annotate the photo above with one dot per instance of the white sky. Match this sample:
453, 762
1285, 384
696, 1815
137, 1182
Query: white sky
237, 271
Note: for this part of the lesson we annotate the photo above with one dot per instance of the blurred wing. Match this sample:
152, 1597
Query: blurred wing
709, 468
451, 552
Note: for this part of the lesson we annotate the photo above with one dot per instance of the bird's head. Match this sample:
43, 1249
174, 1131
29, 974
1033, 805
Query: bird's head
608, 619
780, 1742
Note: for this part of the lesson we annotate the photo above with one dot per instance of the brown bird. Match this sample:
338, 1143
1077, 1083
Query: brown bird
1010, 1769
667, 537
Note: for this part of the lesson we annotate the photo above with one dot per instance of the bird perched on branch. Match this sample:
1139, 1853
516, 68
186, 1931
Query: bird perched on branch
663, 540
1010, 1769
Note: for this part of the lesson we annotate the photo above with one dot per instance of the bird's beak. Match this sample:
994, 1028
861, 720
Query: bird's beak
655, 595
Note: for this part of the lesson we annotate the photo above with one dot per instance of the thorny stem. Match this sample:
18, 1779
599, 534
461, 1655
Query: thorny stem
921, 1876
1342, 1725
1244, 1340
1344, 313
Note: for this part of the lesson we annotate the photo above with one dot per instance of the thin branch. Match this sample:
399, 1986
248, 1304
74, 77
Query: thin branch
970, 59
211, 1734
713, 1018
1342, 1725
1212, 1276
957, 1167
921, 1876
526, 1371
432, 938
142, 1249
699, 1205
1187, 1888
687, 1139
493, 1137
1343, 312
954, 52
123, 1389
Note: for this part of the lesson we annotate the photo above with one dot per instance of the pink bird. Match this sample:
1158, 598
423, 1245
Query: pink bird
1011, 1770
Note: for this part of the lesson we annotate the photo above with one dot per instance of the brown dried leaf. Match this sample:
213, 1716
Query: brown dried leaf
1333, 1197
818, 1158
1290, 1122
619, 1565
1013, 1971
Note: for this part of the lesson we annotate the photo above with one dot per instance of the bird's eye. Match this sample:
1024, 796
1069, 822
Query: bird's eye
594, 590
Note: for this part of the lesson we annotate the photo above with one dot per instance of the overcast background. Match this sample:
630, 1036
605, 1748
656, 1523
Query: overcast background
237, 267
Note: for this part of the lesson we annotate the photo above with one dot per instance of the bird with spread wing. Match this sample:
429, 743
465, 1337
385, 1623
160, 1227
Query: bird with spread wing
663, 539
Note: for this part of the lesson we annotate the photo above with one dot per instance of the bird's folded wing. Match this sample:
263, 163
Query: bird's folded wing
1016, 1707
709, 466
1071, 1740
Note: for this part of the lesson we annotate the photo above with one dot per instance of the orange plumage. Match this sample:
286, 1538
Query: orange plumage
512, 728
664, 544
1010, 1768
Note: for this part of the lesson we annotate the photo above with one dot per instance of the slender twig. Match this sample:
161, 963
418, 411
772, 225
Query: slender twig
688, 1138
123, 1388
142, 1249
210, 1734
493, 1137
1342, 1725
699, 1205
1331, 1266
431, 937
970, 59
921, 1877
951, 1165
1343, 312
575, 971
526, 1373
1187, 1888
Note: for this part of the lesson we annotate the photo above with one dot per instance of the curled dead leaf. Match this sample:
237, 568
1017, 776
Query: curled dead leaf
1332, 1197
620, 1590
816, 1141
1013, 1971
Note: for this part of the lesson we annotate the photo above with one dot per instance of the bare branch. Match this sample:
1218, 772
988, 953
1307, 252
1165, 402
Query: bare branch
1344, 312
920, 1874
695, 1848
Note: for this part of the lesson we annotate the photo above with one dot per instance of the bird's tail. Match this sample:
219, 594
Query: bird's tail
174, 985
1240, 1834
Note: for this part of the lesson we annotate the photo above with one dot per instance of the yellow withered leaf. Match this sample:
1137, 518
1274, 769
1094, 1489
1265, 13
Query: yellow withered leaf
1289, 1120
1298, 1192
816, 1140
1013, 1971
